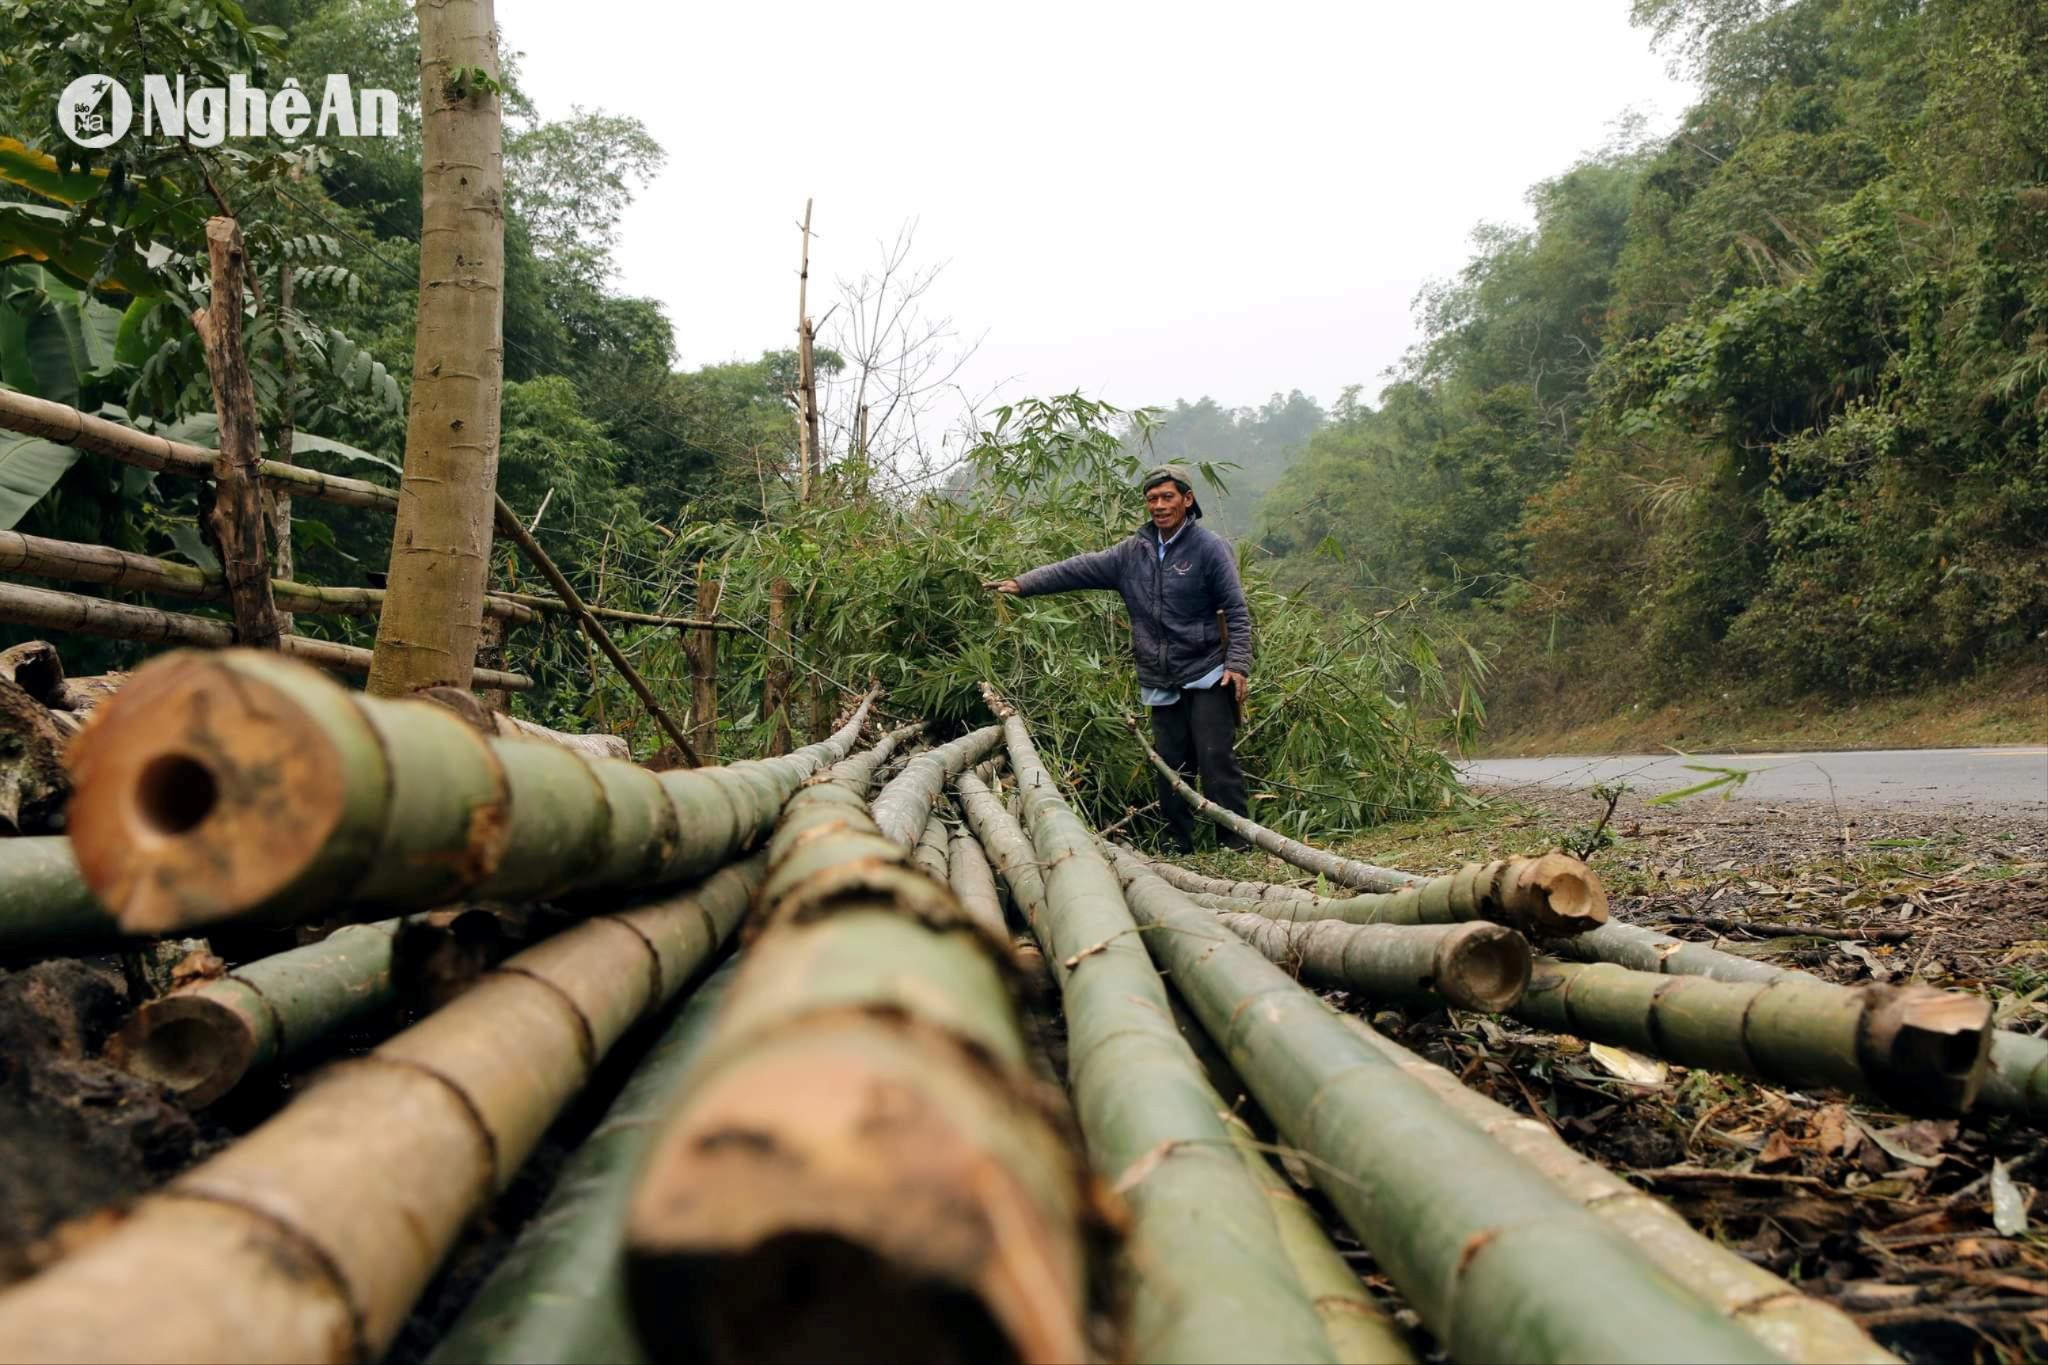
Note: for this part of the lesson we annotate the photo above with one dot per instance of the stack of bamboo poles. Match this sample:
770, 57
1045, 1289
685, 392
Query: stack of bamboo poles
979, 1085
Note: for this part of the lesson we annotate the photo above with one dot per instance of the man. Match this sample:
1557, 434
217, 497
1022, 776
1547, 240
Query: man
1175, 577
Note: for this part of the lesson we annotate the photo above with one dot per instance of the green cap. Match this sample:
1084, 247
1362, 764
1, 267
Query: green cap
1162, 473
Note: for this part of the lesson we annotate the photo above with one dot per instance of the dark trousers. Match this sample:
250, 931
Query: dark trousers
1197, 735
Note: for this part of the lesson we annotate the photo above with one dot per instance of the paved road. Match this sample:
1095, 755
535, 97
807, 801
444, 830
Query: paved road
2016, 775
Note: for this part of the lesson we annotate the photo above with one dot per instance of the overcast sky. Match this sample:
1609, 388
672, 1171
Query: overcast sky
1142, 201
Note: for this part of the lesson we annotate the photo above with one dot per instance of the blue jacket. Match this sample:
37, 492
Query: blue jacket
1173, 603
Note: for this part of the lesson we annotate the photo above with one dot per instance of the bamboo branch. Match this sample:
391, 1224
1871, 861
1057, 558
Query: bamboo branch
46, 609
508, 523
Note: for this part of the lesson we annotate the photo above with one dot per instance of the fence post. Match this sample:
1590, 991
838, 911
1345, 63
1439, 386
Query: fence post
238, 518
701, 647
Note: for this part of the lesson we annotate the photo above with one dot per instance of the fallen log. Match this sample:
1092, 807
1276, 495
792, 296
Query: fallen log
310, 1238
1473, 1238
560, 1293
44, 903
902, 807
33, 783
1799, 1328
1914, 1048
1208, 1276
1467, 966
239, 785
47, 609
1343, 871
37, 669
862, 1164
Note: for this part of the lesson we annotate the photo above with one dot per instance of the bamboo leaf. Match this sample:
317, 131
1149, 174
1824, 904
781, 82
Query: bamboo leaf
29, 468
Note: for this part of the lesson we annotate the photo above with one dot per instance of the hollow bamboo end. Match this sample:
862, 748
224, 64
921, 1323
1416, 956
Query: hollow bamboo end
200, 793
197, 1048
1557, 893
1483, 967
1936, 1044
809, 1205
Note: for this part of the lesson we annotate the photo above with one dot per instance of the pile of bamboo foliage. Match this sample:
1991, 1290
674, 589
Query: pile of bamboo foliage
980, 1084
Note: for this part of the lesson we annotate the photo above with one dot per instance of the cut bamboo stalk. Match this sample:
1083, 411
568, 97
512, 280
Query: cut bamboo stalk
204, 1040
973, 882
491, 722
560, 1293
1913, 1047
902, 807
552, 606
1195, 883
1208, 1276
95, 435
309, 1239
1343, 871
1806, 1330
1554, 895
45, 905
857, 772
862, 1166
65, 561
233, 785
2017, 1082
1472, 1237
48, 609
930, 853
1473, 966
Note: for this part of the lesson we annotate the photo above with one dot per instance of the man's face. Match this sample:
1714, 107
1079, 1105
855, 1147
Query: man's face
1168, 506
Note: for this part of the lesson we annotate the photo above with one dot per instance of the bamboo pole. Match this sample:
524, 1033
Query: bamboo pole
66, 561
1208, 1277
1194, 883
508, 524
902, 807
309, 1239
1911, 1047
97, 436
44, 903
238, 521
1469, 966
775, 678
560, 1294
932, 853
974, 882
47, 609
231, 785
700, 647
1473, 1238
1343, 871
862, 1162
1807, 1330
472, 709
554, 606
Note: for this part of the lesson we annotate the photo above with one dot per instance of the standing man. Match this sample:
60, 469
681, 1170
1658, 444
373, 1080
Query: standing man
1175, 577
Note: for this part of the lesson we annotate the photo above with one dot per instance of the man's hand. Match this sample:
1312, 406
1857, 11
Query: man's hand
1003, 585
1238, 683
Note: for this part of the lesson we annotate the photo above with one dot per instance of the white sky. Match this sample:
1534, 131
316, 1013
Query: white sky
1142, 201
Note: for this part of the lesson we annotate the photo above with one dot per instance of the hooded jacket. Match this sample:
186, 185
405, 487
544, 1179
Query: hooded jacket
1172, 602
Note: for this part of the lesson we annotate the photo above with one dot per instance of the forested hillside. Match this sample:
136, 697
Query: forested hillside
1757, 405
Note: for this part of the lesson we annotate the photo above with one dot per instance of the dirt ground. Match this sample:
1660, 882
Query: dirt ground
1890, 1218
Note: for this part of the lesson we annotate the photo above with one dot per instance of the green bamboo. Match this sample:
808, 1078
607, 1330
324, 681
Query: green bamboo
1196, 884
1470, 966
1343, 871
560, 1294
931, 852
1208, 1276
310, 1238
241, 785
2017, 1082
1911, 1047
973, 882
1807, 1330
1473, 1238
902, 807
202, 1041
861, 1160
856, 772
45, 905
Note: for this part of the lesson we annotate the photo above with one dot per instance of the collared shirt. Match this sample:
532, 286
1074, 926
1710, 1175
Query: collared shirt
1172, 538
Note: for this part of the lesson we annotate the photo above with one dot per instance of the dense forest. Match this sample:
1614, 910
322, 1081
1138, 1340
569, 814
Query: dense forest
1755, 405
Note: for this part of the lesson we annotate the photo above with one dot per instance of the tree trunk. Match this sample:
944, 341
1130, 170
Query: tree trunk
238, 521
861, 1161
440, 549
1798, 1326
560, 1293
775, 680
1213, 1280
277, 498
310, 1238
1473, 1238
294, 797
701, 648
